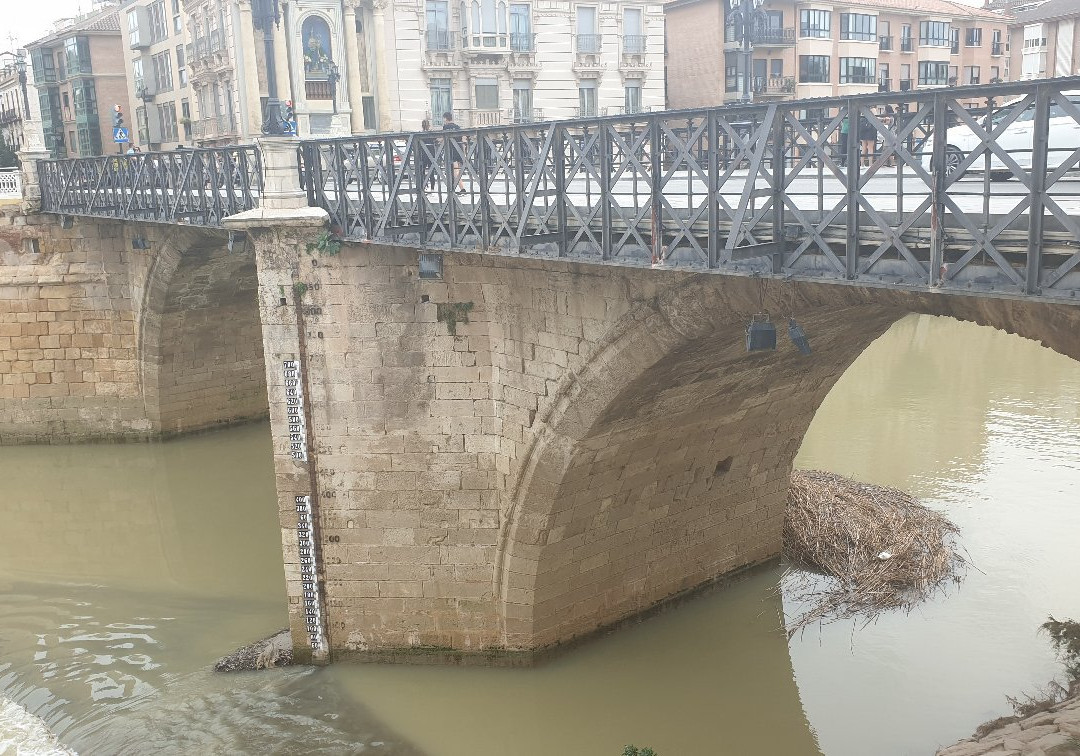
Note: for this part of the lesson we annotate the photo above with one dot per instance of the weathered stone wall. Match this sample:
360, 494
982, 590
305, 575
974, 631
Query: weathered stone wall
593, 441
102, 341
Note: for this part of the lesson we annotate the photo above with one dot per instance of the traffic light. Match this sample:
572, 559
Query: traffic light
290, 112
118, 117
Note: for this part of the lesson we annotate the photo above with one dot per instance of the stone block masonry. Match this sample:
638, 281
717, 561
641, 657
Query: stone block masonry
580, 444
102, 341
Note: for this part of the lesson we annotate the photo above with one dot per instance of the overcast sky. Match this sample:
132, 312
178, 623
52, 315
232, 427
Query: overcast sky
28, 20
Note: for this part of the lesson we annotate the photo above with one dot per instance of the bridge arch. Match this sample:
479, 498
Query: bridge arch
663, 463
198, 330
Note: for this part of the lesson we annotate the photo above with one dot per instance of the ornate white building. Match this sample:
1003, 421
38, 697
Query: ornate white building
20, 117
500, 61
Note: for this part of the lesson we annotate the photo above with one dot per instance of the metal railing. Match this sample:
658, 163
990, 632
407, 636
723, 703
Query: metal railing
752, 188
633, 44
587, 43
522, 42
439, 40
196, 186
907, 44
773, 37
884, 43
773, 85
997, 48
524, 115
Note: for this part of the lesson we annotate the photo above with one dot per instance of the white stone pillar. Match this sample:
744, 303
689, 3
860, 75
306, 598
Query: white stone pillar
250, 83
382, 88
31, 181
352, 70
281, 175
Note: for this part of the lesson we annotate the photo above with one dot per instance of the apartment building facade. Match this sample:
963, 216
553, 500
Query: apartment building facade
820, 49
1045, 39
493, 62
157, 74
20, 118
80, 73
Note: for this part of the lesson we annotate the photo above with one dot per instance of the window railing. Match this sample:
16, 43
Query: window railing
997, 48
485, 42
884, 85
906, 44
770, 36
587, 111
626, 109
524, 115
588, 43
884, 43
439, 40
954, 47
858, 78
633, 44
480, 117
905, 85
522, 42
773, 85
9, 116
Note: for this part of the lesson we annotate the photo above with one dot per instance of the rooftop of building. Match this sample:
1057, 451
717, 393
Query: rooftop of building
1047, 10
105, 20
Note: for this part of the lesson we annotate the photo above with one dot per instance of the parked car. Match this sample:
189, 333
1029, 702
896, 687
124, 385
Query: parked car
1017, 140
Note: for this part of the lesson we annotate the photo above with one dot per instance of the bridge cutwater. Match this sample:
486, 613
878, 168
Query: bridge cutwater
516, 406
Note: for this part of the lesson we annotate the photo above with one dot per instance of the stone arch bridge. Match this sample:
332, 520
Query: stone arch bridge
476, 452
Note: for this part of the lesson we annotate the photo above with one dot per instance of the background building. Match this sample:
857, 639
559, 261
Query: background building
1045, 39
157, 75
19, 113
80, 70
817, 49
493, 62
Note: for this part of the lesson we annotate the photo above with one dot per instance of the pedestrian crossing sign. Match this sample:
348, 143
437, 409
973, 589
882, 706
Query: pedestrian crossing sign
120, 135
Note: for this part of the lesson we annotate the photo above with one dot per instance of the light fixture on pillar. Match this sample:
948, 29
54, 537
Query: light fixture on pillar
798, 336
760, 333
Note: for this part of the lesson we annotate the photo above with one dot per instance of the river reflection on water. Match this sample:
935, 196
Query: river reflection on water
125, 570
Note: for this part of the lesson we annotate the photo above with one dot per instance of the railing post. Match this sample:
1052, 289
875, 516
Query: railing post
419, 165
485, 199
937, 206
713, 199
519, 182
35, 195
854, 162
779, 152
558, 149
604, 146
1036, 210
657, 195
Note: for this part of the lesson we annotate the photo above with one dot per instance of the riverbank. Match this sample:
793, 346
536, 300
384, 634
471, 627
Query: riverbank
1054, 732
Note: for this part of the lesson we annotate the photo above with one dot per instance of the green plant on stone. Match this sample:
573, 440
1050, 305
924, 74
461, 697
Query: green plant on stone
453, 313
325, 244
299, 289
632, 750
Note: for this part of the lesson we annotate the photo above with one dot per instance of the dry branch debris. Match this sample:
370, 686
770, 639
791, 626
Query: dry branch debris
859, 550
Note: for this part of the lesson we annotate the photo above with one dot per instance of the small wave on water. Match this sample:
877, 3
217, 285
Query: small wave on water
23, 734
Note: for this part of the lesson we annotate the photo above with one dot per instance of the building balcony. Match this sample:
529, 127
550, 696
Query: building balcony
439, 40
524, 115
522, 43
318, 89
485, 44
954, 47
633, 44
997, 48
589, 111
906, 85
885, 43
625, 110
859, 79
884, 85
773, 86
588, 44
480, 117
768, 37
214, 127
9, 116
907, 44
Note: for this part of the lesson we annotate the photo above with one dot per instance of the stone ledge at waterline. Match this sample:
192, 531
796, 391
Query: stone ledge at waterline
1055, 732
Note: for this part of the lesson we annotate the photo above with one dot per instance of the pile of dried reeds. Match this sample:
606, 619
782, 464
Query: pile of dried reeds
877, 548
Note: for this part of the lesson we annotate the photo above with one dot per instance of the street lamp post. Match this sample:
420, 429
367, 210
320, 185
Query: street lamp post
266, 15
747, 15
20, 67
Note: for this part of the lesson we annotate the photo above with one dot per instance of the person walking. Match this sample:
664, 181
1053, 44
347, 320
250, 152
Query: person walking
867, 140
455, 154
